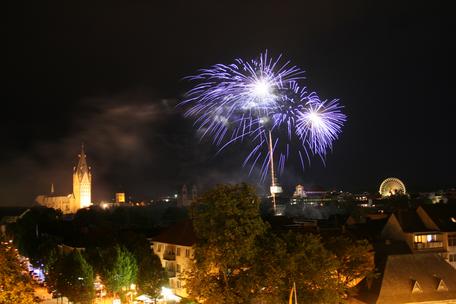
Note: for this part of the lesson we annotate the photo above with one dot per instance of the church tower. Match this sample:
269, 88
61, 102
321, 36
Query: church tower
82, 183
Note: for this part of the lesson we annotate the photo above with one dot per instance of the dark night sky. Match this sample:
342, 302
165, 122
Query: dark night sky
109, 73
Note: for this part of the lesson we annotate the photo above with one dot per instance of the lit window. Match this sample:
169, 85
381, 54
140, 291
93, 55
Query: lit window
187, 253
431, 237
159, 248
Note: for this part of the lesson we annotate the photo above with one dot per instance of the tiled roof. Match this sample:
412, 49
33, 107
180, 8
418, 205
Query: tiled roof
404, 272
181, 233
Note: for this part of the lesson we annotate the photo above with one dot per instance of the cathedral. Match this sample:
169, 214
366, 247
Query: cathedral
82, 186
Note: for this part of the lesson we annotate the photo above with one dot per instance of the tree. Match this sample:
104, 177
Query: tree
29, 236
227, 224
151, 275
15, 286
356, 260
312, 267
120, 270
73, 277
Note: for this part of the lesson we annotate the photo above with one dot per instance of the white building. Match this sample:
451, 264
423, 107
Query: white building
174, 247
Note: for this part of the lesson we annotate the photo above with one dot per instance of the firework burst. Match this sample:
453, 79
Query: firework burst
229, 101
258, 98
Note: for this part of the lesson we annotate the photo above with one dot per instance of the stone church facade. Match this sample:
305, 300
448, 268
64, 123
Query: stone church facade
82, 190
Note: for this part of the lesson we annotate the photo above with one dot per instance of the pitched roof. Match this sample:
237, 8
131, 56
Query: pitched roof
416, 278
410, 221
443, 215
181, 233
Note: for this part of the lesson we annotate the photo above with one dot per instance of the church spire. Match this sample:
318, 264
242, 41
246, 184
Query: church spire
82, 167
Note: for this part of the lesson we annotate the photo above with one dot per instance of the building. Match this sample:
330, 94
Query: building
120, 197
430, 228
417, 278
82, 190
186, 198
313, 195
174, 247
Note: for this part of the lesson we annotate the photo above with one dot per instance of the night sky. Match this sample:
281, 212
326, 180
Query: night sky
109, 74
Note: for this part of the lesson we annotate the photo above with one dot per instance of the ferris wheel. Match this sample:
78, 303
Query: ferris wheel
392, 186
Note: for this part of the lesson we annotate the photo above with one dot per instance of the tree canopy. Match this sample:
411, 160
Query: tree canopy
227, 223
73, 277
15, 285
240, 259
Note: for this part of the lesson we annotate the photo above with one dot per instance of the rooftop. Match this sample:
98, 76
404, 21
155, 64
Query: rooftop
417, 278
181, 233
443, 215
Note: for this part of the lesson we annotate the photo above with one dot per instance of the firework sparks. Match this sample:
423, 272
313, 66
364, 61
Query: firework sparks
261, 96
229, 101
320, 124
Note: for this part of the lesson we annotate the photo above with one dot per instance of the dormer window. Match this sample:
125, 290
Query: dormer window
416, 288
441, 286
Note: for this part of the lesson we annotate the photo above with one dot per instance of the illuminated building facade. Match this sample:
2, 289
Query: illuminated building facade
174, 247
82, 190
120, 197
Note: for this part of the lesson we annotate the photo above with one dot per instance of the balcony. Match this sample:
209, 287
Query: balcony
171, 273
428, 245
169, 256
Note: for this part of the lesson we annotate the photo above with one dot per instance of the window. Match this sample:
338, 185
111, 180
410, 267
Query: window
452, 240
431, 237
178, 268
187, 253
425, 238
178, 283
159, 248
178, 251
452, 257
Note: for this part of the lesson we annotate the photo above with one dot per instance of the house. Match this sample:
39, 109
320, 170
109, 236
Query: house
429, 228
417, 278
442, 217
174, 247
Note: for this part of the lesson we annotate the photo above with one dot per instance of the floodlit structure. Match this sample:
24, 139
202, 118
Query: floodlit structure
392, 186
120, 197
82, 190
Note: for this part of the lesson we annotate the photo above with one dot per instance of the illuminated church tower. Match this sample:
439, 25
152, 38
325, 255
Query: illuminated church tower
82, 183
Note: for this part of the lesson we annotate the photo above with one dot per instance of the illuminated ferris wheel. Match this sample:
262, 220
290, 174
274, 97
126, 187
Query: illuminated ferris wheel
392, 186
